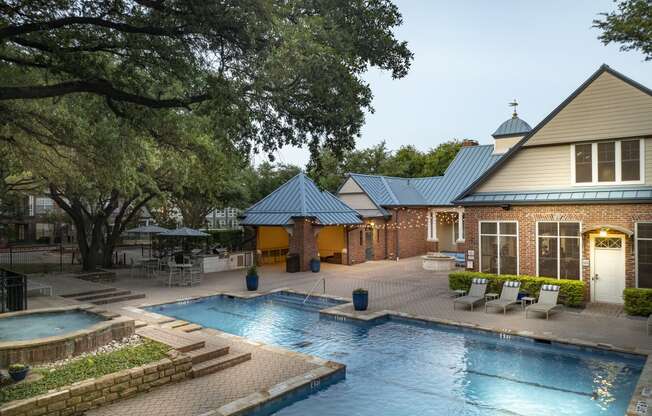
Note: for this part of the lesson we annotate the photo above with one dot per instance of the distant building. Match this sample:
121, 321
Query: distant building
37, 219
224, 219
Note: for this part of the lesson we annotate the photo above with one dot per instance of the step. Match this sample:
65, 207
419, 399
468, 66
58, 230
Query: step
103, 295
175, 324
178, 340
190, 328
219, 364
209, 352
89, 292
109, 315
139, 324
118, 299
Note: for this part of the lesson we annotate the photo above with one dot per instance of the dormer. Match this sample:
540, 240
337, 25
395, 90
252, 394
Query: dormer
509, 133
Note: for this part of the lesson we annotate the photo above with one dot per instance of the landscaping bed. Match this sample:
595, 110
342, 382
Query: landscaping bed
83, 368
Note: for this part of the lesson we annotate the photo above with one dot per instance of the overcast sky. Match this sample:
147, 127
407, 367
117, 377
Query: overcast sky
471, 57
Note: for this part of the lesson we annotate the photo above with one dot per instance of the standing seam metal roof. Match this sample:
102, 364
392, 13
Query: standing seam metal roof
300, 197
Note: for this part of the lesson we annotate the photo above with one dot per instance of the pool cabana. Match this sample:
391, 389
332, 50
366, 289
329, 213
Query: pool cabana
298, 218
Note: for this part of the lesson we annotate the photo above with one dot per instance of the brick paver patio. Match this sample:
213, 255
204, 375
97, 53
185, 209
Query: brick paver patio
400, 286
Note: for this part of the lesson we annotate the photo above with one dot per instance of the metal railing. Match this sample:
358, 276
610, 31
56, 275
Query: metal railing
13, 291
310, 292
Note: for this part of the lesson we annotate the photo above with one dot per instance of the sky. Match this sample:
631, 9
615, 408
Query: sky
472, 57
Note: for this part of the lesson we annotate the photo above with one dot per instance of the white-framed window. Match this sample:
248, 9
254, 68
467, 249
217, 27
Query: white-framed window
43, 205
643, 236
608, 162
499, 247
432, 226
559, 249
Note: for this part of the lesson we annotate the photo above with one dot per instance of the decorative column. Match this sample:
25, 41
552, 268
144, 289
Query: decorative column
461, 241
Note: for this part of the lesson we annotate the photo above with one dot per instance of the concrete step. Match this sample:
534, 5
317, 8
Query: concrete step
102, 295
109, 315
178, 340
209, 352
189, 328
89, 292
175, 324
104, 301
219, 364
140, 324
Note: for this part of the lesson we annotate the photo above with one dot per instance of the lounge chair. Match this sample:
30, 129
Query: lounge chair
547, 301
476, 293
508, 297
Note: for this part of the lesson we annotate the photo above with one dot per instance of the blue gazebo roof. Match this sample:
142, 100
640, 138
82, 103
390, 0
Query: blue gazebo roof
300, 198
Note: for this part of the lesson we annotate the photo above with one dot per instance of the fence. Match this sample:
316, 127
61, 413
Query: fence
13, 291
60, 258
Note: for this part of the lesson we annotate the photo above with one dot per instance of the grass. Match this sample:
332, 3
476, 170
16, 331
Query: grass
85, 368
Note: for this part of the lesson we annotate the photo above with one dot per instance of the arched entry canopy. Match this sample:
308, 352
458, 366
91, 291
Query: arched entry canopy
293, 215
607, 227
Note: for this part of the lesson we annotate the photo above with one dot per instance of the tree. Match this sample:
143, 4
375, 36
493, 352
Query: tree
266, 73
263, 179
437, 159
629, 25
406, 162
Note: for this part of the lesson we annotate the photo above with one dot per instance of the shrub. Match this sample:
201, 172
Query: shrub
638, 301
571, 292
252, 271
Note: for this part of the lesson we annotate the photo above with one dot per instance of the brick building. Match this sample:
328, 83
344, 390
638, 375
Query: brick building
571, 197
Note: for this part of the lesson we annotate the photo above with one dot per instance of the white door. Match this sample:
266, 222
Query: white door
608, 272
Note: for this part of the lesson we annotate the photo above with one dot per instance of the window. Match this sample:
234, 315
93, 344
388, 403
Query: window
43, 231
499, 247
583, 164
44, 205
608, 162
644, 254
559, 249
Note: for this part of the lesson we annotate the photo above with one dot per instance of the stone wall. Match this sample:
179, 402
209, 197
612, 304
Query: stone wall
89, 394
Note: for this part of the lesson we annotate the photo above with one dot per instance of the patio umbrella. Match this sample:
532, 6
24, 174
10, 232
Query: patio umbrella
148, 229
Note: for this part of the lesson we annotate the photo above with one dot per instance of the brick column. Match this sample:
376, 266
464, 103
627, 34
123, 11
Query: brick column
303, 241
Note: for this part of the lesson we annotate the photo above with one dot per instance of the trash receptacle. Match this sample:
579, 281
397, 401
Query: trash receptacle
292, 263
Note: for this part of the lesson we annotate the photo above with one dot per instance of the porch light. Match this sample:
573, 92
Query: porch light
603, 232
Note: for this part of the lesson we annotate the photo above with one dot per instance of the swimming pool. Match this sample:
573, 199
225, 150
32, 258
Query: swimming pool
40, 325
402, 367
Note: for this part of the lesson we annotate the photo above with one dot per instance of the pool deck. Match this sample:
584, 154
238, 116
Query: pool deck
400, 287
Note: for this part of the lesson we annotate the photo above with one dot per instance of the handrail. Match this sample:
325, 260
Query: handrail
322, 279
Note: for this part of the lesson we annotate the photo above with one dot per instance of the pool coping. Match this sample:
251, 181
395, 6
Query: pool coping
638, 405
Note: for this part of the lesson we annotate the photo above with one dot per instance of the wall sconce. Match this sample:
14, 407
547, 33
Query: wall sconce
603, 232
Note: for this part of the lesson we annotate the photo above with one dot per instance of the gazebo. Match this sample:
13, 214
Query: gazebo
299, 218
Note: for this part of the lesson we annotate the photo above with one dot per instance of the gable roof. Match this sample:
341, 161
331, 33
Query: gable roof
300, 198
496, 166
469, 163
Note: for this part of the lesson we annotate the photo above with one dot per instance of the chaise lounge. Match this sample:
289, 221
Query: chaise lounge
508, 297
476, 293
547, 301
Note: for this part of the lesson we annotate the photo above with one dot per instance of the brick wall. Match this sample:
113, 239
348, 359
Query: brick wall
591, 217
89, 394
408, 229
303, 242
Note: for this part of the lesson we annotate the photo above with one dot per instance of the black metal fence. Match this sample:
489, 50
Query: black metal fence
13, 291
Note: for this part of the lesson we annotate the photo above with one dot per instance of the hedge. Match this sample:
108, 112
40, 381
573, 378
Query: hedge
571, 292
638, 301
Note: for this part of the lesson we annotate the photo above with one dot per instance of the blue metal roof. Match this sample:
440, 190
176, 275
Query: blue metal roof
467, 166
299, 198
512, 127
571, 195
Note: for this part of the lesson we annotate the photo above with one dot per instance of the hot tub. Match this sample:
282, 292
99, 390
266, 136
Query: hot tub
45, 335
438, 262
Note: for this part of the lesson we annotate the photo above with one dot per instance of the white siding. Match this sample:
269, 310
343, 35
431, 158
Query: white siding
609, 108
357, 201
350, 186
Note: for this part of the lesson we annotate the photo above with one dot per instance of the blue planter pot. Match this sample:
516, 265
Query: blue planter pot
252, 282
360, 301
19, 375
315, 265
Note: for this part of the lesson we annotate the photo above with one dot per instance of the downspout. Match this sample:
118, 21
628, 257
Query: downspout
397, 231
348, 252
386, 252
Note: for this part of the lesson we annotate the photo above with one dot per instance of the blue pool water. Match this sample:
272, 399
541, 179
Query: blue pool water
39, 325
400, 367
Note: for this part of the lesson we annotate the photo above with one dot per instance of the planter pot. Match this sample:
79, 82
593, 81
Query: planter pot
252, 282
315, 265
19, 375
521, 295
360, 301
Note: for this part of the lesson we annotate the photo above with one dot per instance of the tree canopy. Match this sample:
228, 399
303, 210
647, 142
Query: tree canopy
630, 25
267, 73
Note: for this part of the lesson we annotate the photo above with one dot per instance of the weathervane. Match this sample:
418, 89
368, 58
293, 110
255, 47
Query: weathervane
514, 104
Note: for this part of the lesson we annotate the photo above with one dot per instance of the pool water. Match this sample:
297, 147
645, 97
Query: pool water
39, 325
400, 367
